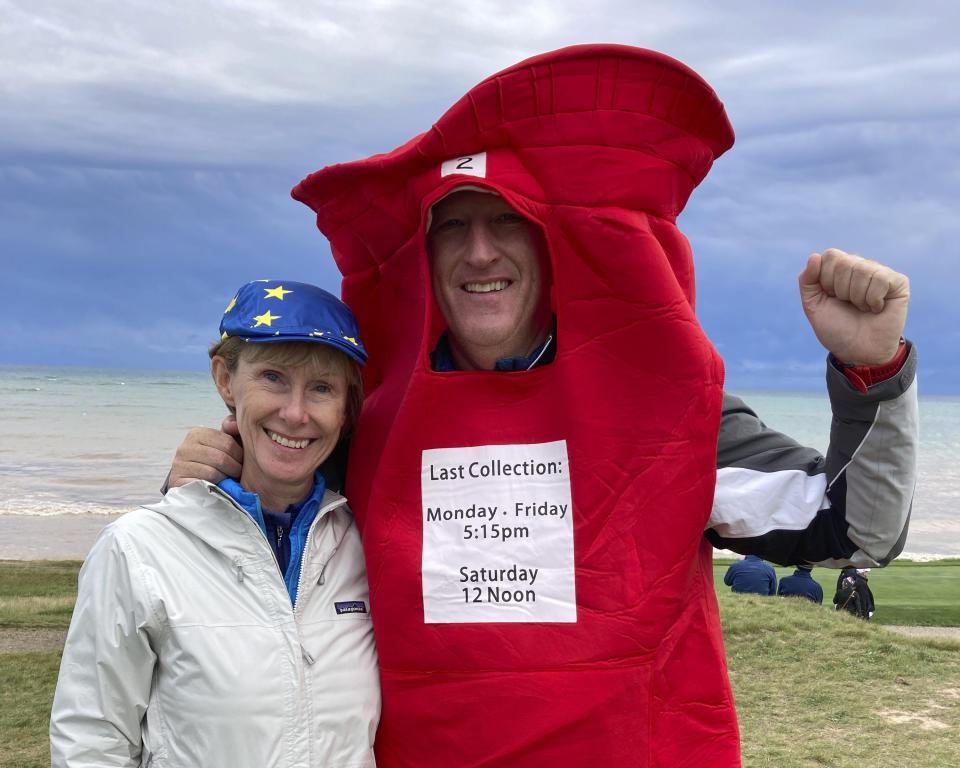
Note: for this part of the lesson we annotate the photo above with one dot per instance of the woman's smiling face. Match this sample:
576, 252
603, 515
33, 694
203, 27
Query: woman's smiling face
290, 419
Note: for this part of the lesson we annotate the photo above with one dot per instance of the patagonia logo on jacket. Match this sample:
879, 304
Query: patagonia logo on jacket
351, 606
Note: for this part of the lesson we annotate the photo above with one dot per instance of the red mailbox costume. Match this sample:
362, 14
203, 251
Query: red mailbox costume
601, 145
589, 635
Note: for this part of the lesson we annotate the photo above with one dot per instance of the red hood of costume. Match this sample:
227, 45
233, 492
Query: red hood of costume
601, 464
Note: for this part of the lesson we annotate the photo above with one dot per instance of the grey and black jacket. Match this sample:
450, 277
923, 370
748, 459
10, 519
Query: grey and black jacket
788, 504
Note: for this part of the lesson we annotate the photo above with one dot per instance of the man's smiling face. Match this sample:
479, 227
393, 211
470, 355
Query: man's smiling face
486, 264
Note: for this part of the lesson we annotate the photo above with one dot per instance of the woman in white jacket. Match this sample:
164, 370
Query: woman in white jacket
239, 636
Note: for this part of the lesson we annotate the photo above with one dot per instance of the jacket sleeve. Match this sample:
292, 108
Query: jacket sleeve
788, 504
107, 666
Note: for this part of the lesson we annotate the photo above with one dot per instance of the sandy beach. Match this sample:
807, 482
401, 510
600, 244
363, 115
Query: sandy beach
49, 537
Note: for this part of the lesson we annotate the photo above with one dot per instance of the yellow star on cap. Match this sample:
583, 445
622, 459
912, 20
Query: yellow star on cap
275, 293
351, 340
233, 303
265, 319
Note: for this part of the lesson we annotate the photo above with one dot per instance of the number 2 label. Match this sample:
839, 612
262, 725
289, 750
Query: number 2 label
467, 165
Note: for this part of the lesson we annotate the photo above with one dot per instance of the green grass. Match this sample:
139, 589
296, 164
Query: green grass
27, 682
819, 688
37, 593
813, 687
905, 592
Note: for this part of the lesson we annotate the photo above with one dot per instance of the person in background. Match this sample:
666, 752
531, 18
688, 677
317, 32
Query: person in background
853, 594
228, 625
801, 584
751, 575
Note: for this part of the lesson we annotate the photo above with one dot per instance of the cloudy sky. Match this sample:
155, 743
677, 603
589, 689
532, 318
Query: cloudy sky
147, 151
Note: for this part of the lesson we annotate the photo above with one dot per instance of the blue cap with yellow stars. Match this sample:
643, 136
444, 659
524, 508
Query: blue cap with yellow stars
282, 310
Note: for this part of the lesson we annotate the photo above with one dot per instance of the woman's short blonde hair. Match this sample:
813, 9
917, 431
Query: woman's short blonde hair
296, 353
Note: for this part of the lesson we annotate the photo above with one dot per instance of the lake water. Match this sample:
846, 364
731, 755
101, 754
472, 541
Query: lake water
100, 440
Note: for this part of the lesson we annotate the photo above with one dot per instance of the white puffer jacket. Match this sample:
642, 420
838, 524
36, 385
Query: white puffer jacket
184, 649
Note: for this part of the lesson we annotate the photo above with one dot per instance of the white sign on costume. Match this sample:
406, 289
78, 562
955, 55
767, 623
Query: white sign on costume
498, 534
468, 165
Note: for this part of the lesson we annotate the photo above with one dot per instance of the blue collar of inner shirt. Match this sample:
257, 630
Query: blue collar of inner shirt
251, 501
442, 357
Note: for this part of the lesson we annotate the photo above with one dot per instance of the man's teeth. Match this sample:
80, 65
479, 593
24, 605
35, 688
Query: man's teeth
497, 285
287, 442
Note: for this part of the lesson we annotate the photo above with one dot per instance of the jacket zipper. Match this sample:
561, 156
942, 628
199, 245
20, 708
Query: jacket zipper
306, 545
320, 512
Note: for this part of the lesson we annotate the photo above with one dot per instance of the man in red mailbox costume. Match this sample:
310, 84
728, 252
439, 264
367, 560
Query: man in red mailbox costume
536, 463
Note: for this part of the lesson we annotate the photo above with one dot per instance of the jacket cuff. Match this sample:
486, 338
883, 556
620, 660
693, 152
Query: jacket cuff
842, 389
864, 376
